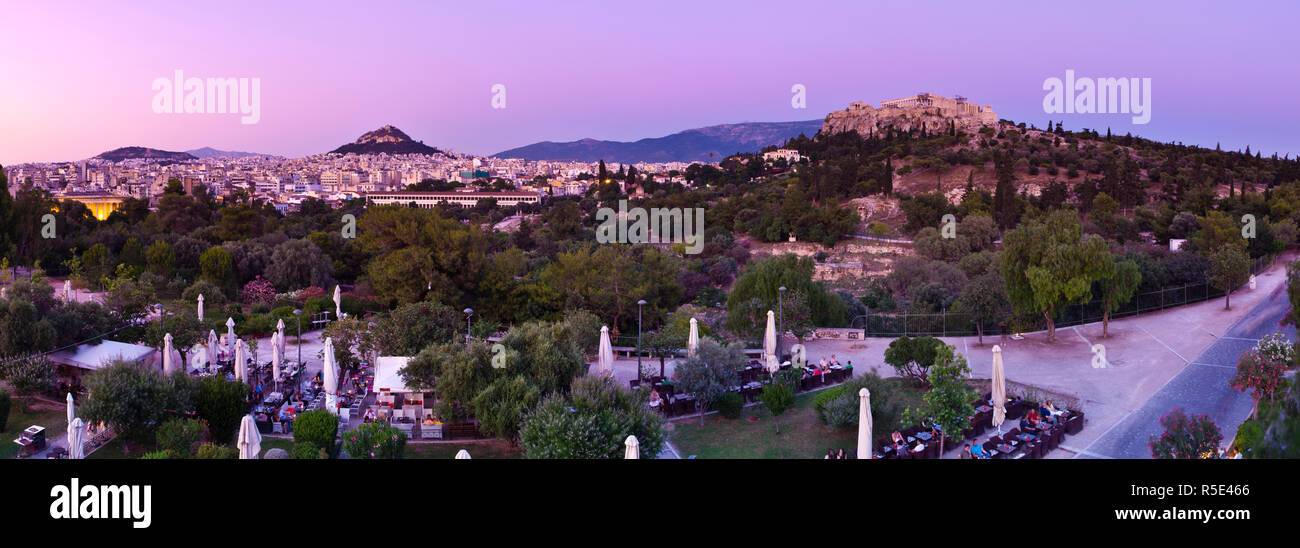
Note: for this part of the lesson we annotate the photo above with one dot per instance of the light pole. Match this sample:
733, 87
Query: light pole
780, 306
298, 313
639, 304
469, 313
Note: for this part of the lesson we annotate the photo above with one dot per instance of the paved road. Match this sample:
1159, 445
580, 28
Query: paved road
1201, 387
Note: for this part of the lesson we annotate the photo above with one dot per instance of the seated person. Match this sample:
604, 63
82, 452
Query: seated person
840, 454
919, 447
830, 454
966, 453
897, 437
823, 366
834, 361
1026, 424
428, 420
655, 400
1033, 417
978, 452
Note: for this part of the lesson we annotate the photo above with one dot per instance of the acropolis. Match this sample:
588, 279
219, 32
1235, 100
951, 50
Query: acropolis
933, 112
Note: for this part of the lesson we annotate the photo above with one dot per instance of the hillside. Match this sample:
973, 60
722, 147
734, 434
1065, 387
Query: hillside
385, 140
143, 153
705, 144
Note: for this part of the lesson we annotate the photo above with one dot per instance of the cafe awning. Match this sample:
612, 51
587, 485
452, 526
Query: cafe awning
95, 356
387, 376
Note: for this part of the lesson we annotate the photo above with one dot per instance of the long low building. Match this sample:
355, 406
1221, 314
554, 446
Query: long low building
427, 200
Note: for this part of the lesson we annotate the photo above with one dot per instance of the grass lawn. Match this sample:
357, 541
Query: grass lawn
485, 449
754, 435
276, 443
115, 450
52, 417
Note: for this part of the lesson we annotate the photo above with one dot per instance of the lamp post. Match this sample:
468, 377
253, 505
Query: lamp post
780, 307
162, 322
469, 313
639, 304
298, 314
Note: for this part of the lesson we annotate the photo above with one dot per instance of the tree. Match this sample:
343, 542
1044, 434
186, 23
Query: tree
912, 358
592, 422
179, 437
1186, 437
1046, 265
218, 268
98, 263
134, 400
984, 300
1229, 268
948, 402
777, 398
375, 440
222, 404
29, 375
412, 326
711, 373
1217, 230
1118, 288
160, 258
296, 264
501, 406
755, 292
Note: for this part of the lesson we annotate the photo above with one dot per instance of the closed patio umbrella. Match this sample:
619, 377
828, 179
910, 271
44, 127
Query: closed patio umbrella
279, 331
200, 307
864, 424
331, 377
999, 389
230, 334
462, 455
241, 373
67, 290
72, 409
693, 340
605, 363
275, 356
769, 344
249, 440
338, 302
212, 348
76, 437
168, 364
633, 448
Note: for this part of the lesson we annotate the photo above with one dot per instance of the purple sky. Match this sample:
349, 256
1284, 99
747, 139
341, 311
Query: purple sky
77, 77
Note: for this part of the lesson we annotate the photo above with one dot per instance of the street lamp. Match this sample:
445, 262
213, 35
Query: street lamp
298, 313
469, 312
639, 304
780, 306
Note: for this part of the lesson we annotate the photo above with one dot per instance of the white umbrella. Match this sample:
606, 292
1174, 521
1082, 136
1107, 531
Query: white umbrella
212, 348
72, 409
200, 307
606, 356
240, 366
331, 378
67, 290
249, 440
633, 449
864, 424
230, 334
693, 341
999, 389
462, 455
769, 343
279, 330
76, 435
275, 356
338, 302
168, 363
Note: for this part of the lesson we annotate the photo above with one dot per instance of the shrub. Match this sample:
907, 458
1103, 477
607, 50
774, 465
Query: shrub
375, 441
308, 451
212, 295
778, 398
886, 407
317, 427
729, 405
258, 291
214, 451
841, 412
30, 375
155, 455
179, 436
1186, 437
221, 404
824, 397
591, 422
4, 408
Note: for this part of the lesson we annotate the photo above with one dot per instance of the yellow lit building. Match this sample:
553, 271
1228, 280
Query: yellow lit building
101, 205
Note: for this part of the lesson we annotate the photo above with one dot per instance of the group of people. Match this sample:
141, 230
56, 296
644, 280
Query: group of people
902, 447
833, 454
824, 366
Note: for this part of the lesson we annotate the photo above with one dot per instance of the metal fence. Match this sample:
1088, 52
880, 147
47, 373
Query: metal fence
957, 324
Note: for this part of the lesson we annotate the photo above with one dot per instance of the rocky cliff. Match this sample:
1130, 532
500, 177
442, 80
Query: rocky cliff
866, 120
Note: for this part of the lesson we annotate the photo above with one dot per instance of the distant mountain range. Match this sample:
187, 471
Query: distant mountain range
386, 140
704, 144
133, 153
209, 152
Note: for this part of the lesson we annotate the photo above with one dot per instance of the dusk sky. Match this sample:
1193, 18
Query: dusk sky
77, 78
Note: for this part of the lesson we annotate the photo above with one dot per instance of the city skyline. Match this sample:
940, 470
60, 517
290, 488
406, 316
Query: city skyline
621, 72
